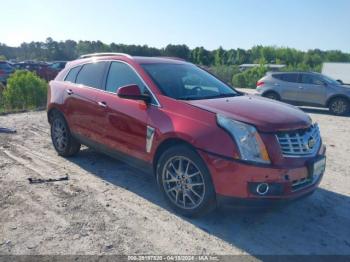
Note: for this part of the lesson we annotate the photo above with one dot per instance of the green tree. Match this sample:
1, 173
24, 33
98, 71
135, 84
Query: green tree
249, 77
181, 51
219, 56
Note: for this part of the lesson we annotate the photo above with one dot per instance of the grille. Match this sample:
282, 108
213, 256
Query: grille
302, 142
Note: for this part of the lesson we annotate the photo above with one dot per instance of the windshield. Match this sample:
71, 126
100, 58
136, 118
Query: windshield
187, 82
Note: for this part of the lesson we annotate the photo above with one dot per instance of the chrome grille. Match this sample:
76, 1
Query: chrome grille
301, 142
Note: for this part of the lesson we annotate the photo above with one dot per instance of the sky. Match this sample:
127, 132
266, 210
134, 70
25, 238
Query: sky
301, 24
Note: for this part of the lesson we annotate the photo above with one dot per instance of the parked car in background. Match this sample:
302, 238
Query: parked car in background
31, 66
306, 89
50, 71
205, 142
5, 71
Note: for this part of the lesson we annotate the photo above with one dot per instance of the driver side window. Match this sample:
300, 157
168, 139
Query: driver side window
120, 75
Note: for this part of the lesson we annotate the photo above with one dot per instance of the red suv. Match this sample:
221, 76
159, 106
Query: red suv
205, 142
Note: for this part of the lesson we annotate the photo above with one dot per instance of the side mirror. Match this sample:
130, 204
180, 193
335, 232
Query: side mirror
340, 82
133, 92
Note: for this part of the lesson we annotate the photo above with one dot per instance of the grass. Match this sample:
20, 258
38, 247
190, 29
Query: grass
5, 111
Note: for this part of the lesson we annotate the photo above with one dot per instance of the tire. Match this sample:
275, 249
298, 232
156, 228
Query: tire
191, 195
339, 106
272, 95
65, 144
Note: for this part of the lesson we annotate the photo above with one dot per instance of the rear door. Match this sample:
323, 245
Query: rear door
83, 112
313, 89
288, 86
125, 121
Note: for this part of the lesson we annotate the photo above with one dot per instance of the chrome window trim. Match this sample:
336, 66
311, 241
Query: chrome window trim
103, 90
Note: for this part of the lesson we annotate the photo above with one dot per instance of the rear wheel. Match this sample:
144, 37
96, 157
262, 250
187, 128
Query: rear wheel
339, 106
185, 182
65, 144
272, 95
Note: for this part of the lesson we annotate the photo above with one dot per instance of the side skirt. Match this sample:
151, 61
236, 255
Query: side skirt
131, 161
295, 103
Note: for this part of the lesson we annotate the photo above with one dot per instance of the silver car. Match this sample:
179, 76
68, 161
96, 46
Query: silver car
306, 89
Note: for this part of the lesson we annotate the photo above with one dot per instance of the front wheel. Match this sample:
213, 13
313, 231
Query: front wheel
63, 141
185, 182
339, 106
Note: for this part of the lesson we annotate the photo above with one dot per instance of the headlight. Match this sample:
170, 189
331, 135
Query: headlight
249, 143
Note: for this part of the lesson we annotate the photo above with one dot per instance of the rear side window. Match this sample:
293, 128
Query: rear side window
91, 75
287, 77
120, 75
72, 75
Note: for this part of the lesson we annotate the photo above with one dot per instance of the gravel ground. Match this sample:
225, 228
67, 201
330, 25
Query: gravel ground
107, 207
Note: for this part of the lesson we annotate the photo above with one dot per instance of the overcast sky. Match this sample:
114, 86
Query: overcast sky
301, 24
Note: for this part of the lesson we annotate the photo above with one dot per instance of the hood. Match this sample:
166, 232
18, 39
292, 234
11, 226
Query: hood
265, 114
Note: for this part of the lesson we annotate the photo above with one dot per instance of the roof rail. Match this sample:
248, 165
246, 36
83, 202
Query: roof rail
104, 54
172, 57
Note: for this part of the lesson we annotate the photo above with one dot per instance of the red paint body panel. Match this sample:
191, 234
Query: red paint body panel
231, 178
267, 115
122, 125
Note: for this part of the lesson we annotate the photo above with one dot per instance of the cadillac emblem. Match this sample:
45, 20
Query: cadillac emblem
311, 142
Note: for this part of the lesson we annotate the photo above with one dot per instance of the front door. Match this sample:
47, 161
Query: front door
125, 122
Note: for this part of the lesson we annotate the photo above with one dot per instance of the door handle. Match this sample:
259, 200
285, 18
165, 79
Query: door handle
102, 104
300, 87
69, 91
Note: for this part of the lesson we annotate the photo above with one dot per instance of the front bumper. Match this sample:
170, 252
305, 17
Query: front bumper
259, 202
233, 180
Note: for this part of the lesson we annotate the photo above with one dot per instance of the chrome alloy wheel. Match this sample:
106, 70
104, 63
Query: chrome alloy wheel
60, 135
183, 182
339, 106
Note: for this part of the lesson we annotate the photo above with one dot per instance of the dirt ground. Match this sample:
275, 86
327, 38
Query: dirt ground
107, 207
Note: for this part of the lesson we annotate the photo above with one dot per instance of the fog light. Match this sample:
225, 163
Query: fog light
262, 189
266, 189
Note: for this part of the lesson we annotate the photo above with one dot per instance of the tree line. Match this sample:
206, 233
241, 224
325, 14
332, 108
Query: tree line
220, 61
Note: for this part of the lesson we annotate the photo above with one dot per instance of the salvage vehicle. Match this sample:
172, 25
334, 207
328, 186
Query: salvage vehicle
306, 89
206, 143
50, 71
5, 71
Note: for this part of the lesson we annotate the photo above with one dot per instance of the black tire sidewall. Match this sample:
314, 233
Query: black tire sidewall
209, 201
274, 95
72, 146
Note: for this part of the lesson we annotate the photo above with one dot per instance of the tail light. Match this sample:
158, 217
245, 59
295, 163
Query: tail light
260, 83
